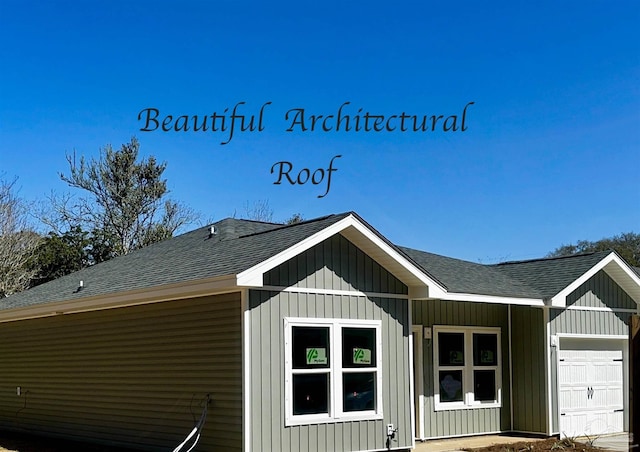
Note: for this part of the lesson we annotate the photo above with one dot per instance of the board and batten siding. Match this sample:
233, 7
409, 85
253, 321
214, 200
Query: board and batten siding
462, 421
339, 265
599, 307
600, 291
335, 264
528, 369
134, 376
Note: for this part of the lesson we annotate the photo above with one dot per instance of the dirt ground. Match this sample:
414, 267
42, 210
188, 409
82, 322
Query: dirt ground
551, 444
23, 443
13, 442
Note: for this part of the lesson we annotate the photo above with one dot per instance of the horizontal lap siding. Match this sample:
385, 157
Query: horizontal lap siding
466, 421
132, 376
528, 362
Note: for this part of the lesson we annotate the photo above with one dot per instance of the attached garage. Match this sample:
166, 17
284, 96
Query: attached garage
592, 386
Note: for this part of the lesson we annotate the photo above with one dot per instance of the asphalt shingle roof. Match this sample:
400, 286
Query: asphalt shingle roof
468, 277
550, 276
237, 246
240, 244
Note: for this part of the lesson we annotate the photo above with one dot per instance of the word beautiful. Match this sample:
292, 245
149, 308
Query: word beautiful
215, 122
298, 120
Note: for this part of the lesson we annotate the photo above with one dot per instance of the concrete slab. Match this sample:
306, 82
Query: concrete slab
470, 442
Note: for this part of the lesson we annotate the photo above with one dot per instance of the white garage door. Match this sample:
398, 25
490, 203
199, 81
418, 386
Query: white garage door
591, 392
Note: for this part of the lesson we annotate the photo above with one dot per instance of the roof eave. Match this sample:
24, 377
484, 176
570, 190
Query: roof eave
167, 292
355, 230
616, 268
499, 299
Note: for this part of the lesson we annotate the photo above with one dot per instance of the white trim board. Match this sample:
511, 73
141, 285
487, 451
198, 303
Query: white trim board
600, 309
616, 268
360, 235
246, 369
350, 293
473, 298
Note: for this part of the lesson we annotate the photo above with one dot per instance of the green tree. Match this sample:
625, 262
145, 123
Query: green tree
60, 254
627, 245
124, 199
294, 219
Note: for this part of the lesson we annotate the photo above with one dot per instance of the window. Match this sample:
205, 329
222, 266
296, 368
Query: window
333, 370
467, 367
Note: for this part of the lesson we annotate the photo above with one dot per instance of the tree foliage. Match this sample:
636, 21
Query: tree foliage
627, 245
294, 219
18, 241
124, 200
60, 254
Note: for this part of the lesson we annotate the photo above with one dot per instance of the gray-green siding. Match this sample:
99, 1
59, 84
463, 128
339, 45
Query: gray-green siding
130, 376
465, 421
569, 321
600, 291
528, 364
334, 264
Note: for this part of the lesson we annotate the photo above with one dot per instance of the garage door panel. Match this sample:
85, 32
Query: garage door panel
591, 395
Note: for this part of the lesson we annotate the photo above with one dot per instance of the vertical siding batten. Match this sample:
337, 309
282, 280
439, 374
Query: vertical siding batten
462, 422
599, 292
335, 264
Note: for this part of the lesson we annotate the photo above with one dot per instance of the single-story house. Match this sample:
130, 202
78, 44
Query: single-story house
317, 336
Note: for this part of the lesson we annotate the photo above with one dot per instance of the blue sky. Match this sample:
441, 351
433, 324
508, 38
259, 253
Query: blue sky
550, 154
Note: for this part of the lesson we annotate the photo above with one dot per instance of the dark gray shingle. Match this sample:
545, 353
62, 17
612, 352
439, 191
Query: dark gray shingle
237, 246
550, 276
468, 277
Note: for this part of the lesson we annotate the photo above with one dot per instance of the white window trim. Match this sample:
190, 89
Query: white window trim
468, 401
335, 371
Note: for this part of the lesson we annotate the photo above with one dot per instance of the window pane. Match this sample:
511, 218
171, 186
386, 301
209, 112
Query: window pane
485, 350
358, 347
310, 347
310, 394
359, 390
451, 349
451, 386
484, 385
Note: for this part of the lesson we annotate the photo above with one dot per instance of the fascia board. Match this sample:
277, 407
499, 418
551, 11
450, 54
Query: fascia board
615, 267
189, 289
473, 298
351, 228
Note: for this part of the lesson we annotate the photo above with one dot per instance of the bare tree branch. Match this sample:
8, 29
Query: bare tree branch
18, 241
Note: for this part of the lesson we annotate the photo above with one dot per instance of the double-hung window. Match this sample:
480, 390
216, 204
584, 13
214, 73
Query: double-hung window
333, 370
467, 367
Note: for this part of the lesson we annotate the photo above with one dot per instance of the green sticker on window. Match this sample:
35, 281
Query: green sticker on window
486, 357
316, 356
361, 356
456, 357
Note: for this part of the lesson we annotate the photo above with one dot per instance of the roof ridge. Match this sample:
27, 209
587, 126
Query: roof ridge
552, 258
247, 220
444, 257
285, 226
